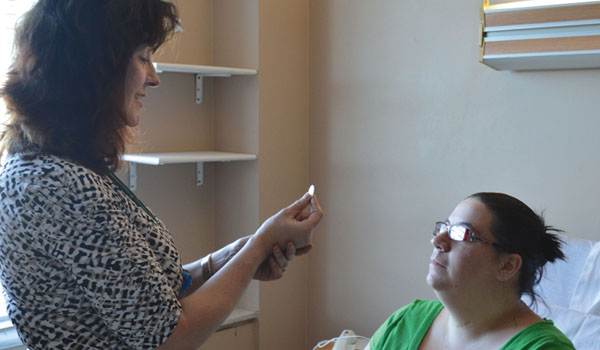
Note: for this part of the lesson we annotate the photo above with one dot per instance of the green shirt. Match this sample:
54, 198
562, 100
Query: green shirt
405, 329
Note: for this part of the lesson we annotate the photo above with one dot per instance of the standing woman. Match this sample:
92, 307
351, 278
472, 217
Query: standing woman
84, 264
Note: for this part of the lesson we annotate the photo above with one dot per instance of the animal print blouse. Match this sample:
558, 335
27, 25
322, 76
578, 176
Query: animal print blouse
83, 266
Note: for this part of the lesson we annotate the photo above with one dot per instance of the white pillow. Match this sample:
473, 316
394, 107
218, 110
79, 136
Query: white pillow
568, 321
588, 336
586, 296
561, 278
570, 293
581, 328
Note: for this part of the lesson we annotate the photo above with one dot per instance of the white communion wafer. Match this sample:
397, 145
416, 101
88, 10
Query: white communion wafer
311, 190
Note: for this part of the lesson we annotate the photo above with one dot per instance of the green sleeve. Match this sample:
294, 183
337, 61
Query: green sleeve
539, 336
382, 333
405, 328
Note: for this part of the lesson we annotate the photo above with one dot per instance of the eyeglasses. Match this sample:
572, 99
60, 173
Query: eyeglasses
461, 232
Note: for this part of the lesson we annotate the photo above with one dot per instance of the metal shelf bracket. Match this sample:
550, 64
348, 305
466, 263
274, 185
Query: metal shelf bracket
132, 176
199, 81
199, 173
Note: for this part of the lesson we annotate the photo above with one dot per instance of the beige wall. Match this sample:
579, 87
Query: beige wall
283, 162
193, 45
404, 123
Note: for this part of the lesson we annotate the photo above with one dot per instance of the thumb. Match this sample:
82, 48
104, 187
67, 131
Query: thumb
298, 206
304, 250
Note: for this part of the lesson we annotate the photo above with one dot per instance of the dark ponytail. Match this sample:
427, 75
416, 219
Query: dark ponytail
520, 230
551, 244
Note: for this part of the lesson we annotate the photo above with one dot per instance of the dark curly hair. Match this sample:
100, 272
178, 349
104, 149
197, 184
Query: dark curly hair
65, 88
518, 229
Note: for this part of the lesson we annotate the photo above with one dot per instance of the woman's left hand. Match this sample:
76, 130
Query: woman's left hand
274, 267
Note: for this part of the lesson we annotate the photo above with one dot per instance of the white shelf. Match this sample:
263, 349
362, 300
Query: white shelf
237, 316
186, 157
203, 70
181, 158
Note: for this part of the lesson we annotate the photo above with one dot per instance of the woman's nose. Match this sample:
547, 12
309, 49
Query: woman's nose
441, 241
152, 78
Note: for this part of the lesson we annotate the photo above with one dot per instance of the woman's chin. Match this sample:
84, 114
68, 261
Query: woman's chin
132, 120
434, 281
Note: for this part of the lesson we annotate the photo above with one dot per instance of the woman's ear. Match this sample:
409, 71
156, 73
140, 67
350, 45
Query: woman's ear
510, 264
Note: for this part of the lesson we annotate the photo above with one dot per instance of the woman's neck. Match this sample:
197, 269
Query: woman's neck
472, 318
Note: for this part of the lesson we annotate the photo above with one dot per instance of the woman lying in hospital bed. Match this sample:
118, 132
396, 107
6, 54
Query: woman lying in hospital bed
488, 253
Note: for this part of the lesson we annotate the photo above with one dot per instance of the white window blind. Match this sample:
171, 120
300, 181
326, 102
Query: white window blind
10, 12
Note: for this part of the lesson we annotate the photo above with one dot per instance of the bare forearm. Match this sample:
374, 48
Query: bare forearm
207, 307
211, 301
222, 256
218, 259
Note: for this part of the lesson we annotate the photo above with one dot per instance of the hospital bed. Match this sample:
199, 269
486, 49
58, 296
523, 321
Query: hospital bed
569, 294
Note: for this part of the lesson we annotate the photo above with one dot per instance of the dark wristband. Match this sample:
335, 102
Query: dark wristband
186, 281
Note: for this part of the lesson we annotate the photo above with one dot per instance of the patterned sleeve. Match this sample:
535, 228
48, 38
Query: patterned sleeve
87, 231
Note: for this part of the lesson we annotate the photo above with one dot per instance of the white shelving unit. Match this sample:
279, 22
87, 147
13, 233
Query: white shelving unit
201, 72
180, 158
238, 315
189, 157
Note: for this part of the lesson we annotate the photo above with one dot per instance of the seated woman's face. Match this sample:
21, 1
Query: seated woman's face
461, 266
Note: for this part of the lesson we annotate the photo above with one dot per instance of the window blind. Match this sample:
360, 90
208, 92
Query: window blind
10, 12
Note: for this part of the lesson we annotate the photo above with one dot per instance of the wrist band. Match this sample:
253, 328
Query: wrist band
186, 281
206, 269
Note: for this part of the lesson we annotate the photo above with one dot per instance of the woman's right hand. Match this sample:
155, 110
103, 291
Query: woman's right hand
294, 223
206, 307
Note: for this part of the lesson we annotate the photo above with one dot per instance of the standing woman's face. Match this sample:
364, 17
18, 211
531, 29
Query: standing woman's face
140, 74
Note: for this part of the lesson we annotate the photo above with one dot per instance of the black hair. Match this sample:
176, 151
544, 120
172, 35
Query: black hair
518, 229
65, 89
